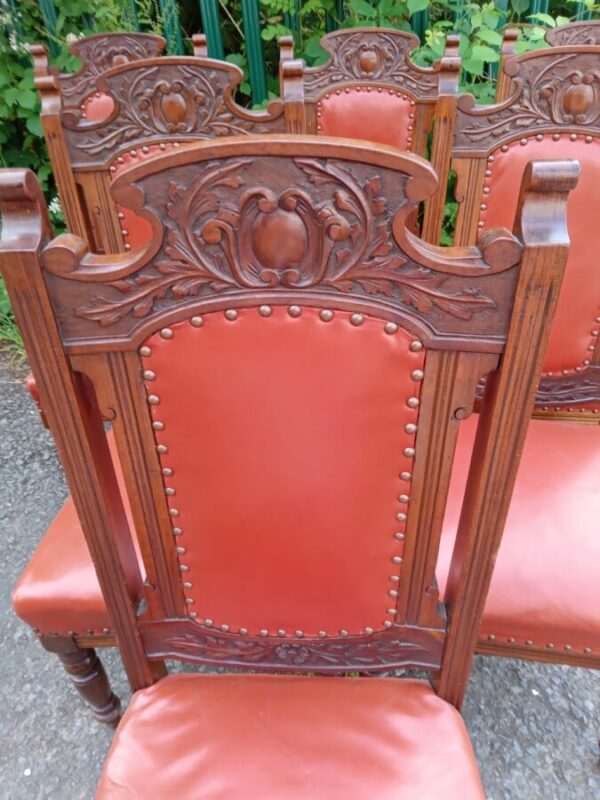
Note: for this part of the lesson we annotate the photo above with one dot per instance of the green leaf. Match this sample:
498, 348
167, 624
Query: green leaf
481, 52
519, 6
491, 37
363, 8
545, 19
34, 125
11, 96
417, 5
473, 66
28, 100
236, 58
315, 52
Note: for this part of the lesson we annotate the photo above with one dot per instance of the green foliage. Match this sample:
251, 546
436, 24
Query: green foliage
480, 25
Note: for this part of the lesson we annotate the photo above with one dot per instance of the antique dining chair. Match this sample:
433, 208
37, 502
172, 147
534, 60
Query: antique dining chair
128, 103
286, 403
370, 89
544, 601
86, 117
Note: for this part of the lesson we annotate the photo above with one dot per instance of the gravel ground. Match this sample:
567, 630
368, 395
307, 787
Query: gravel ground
535, 727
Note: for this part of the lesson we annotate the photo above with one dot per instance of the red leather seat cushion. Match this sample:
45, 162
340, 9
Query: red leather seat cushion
546, 583
251, 737
58, 590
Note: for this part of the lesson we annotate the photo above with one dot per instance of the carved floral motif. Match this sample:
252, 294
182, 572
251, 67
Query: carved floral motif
555, 94
376, 57
351, 653
167, 100
224, 235
100, 53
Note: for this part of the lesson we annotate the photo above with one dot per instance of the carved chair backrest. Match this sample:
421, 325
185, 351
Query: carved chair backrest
370, 89
585, 32
287, 366
552, 112
575, 33
127, 103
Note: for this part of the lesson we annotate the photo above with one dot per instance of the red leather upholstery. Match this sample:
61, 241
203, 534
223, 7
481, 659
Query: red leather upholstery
291, 393
546, 584
58, 591
385, 116
574, 330
257, 737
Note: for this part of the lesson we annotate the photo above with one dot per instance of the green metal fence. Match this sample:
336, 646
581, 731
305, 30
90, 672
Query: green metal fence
211, 15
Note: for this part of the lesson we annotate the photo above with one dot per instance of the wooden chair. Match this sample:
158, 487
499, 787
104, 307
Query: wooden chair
128, 103
545, 592
370, 89
59, 584
286, 403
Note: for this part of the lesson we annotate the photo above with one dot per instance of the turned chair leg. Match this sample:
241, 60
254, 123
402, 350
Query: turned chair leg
88, 675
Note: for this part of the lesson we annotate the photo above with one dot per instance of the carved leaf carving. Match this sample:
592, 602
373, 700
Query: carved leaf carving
371, 57
168, 101
352, 653
225, 233
557, 93
573, 34
101, 53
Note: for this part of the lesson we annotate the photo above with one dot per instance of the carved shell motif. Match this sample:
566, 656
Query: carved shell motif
331, 231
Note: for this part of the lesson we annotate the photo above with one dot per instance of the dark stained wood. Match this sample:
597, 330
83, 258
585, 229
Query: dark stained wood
158, 101
509, 42
575, 33
510, 391
88, 676
466, 305
74, 421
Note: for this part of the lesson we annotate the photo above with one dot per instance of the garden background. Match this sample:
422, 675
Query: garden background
244, 32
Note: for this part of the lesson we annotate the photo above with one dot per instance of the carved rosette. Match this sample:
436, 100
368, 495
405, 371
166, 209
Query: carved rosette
366, 57
549, 90
101, 53
163, 101
323, 227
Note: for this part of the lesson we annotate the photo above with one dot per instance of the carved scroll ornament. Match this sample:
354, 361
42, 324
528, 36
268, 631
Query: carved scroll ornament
386, 650
370, 56
225, 232
550, 88
165, 100
575, 33
101, 53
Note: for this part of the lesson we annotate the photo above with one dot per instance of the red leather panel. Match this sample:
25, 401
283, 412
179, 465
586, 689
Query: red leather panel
258, 737
384, 116
58, 590
546, 584
286, 438
571, 339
